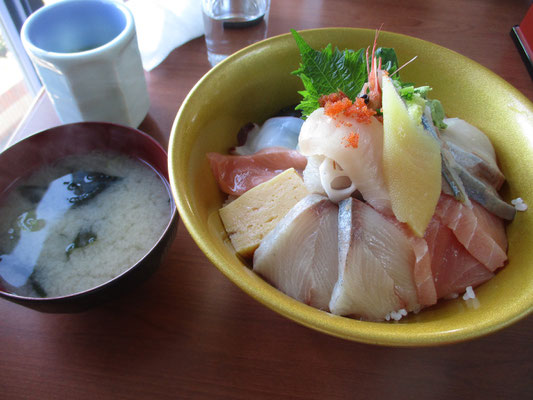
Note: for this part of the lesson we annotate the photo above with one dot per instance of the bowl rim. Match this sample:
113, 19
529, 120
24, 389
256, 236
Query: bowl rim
377, 333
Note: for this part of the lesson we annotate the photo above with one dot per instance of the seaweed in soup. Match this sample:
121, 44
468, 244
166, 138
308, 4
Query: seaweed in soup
86, 185
84, 238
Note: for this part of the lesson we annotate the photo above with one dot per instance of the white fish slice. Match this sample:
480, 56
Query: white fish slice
375, 265
299, 256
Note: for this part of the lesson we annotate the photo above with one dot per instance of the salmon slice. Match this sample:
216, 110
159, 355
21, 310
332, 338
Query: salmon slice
299, 256
453, 267
480, 232
375, 265
237, 174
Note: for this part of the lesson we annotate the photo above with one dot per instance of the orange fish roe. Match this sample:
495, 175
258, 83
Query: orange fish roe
337, 103
332, 109
351, 140
360, 111
331, 98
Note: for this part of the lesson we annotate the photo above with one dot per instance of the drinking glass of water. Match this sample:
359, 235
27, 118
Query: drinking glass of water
231, 25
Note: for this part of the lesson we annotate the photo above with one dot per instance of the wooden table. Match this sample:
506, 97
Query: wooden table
189, 333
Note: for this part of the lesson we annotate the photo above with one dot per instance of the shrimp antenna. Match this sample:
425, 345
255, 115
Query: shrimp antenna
408, 62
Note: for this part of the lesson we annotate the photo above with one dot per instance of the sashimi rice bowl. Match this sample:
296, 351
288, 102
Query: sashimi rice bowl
366, 184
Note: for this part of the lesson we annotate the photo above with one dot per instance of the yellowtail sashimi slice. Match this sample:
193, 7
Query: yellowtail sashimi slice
411, 163
299, 256
376, 264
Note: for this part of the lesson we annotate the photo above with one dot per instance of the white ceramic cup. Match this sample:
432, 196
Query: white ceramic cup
86, 54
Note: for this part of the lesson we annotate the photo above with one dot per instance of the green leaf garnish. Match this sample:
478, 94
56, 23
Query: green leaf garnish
328, 71
437, 113
389, 60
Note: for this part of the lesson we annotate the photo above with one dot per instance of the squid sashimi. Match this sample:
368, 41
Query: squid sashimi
356, 147
480, 232
236, 174
454, 269
275, 132
375, 265
299, 256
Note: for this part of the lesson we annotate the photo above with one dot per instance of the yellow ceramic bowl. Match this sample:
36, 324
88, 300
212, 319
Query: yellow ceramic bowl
256, 82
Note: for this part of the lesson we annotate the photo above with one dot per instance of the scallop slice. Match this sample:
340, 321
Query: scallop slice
299, 256
376, 264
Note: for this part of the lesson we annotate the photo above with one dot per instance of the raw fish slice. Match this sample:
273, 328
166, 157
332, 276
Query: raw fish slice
452, 182
422, 273
469, 161
478, 154
275, 132
480, 232
299, 256
484, 194
323, 135
454, 269
375, 265
488, 173
237, 174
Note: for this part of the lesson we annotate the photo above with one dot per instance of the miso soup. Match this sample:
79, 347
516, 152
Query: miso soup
78, 223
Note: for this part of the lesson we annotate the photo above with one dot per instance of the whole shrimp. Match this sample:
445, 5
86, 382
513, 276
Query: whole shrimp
371, 90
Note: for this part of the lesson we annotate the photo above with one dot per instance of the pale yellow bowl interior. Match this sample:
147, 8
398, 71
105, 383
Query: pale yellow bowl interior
256, 82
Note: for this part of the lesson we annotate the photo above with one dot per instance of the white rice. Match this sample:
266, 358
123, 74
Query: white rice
469, 294
519, 204
396, 315
127, 218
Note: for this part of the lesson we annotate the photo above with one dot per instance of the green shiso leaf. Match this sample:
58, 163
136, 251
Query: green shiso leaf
328, 71
389, 60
